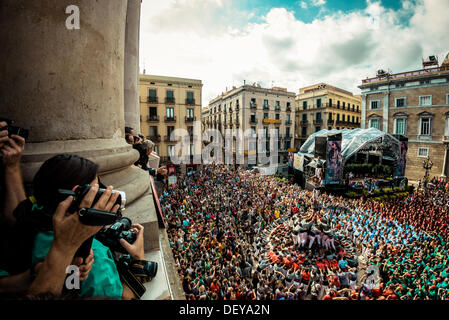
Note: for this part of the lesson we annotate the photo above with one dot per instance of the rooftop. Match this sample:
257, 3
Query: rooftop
430, 68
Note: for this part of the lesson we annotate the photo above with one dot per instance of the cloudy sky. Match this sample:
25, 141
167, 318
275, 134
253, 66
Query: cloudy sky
286, 43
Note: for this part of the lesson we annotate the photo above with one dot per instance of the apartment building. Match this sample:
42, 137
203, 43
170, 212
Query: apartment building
415, 104
323, 106
256, 108
166, 104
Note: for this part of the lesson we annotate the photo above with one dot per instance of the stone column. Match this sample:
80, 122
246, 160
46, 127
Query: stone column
66, 87
132, 103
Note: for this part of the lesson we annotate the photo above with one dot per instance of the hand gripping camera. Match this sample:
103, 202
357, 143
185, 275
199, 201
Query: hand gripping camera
90, 216
111, 236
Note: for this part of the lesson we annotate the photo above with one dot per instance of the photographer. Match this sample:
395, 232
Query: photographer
145, 149
37, 232
11, 149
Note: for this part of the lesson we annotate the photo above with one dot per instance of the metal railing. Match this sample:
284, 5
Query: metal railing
190, 101
190, 119
170, 119
169, 100
153, 118
155, 138
152, 99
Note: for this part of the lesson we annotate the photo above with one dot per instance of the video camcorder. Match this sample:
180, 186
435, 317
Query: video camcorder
13, 129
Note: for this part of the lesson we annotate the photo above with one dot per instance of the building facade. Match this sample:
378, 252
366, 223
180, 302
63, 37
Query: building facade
414, 104
322, 106
251, 107
166, 104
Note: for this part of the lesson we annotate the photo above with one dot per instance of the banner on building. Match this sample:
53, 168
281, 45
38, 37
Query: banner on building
298, 162
333, 159
320, 147
291, 157
402, 162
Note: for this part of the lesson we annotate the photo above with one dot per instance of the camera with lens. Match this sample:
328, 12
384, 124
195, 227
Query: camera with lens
90, 216
111, 236
142, 268
14, 129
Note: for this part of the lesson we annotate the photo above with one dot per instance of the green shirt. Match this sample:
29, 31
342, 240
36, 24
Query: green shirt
103, 280
3, 273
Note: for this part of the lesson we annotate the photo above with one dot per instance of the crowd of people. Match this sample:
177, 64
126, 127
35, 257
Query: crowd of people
238, 235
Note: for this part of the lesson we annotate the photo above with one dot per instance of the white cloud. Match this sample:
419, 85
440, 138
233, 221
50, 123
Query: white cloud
303, 4
212, 41
318, 3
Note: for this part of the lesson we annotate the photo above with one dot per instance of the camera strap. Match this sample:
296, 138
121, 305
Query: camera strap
128, 277
138, 269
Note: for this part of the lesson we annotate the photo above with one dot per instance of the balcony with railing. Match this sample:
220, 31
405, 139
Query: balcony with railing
169, 100
277, 108
170, 119
153, 118
288, 122
317, 121
167, 139
154, 138
288, 109
304, 123
253, 120
190, 119
152, 99
190, 101
266, 107
252, 105
288, 136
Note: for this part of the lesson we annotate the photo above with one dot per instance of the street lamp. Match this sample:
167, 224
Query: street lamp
427, 165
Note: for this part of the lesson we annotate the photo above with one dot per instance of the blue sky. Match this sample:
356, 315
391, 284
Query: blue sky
290, 44
312, 12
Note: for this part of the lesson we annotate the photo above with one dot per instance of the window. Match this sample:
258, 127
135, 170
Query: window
265, 130
353, 107
156, 149
330, 116
253, 118
169, 93
353, 119
423, 152
426, 126
338, 117
190, 99
265, 103
375, 123
357, 108
344, 104
170, 113
357, 119
447, 98
152, 93
190, 113
400, 126
338, 104
425, 100
191, 150
304, 117
375, 104
400, 102
304, 131
153, 131
318, 103
265, 115
318, 116
330, 102
171, 150
304, 105
287, 144
317, 129
287, 131
343, 117
153, 112
288, 117
278, 116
